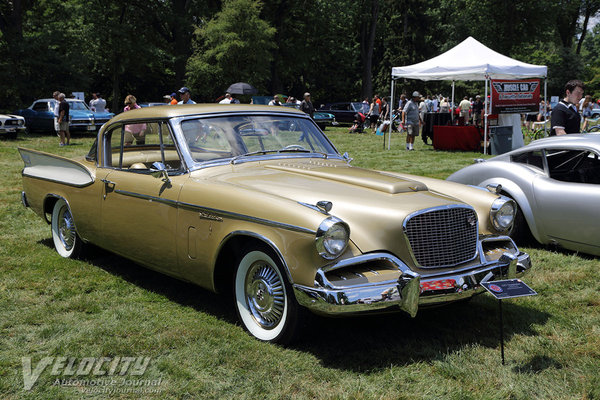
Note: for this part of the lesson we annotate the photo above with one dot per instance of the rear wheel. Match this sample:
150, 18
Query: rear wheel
263, 297
64, 235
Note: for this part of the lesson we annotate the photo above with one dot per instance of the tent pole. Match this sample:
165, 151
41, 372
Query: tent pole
390, 112
452, 108
485, 116
545, 105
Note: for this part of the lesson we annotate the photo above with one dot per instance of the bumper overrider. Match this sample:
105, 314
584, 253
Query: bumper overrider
409, 291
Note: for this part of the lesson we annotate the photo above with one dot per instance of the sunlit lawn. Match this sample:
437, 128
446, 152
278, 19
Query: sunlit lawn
105, 306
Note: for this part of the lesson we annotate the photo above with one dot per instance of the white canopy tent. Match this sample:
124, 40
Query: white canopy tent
468, 61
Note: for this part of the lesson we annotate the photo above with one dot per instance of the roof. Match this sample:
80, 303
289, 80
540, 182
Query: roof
470, 61
583, 140
180, 110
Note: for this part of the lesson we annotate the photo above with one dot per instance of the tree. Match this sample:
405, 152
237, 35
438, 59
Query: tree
233, 46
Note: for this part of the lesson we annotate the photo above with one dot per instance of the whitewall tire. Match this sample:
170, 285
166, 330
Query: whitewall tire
263, 298
64, 235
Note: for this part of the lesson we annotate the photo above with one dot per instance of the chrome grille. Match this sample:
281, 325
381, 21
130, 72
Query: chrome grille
443, 237
11, 122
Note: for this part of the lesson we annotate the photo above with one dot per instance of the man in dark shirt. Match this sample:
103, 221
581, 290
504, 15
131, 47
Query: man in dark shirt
307, 105
477, 111
63, 120
565, 117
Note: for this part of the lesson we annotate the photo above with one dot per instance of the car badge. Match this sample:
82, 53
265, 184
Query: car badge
471, 220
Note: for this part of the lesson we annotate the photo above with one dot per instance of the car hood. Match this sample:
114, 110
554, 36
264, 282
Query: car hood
374, 204
88, 114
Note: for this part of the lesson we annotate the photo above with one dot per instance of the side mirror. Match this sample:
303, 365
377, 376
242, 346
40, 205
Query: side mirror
159, 170
347, 157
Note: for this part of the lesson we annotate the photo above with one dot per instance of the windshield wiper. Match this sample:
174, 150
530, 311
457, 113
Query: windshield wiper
283, 150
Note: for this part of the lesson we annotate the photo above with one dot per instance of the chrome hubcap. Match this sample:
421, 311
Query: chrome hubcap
66, 228
265, 294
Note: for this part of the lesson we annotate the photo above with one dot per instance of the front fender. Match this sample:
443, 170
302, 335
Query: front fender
523, 201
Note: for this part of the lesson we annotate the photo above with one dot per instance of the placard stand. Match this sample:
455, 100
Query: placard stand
507, 289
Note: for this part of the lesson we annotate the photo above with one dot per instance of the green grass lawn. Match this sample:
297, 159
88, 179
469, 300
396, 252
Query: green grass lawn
105, 306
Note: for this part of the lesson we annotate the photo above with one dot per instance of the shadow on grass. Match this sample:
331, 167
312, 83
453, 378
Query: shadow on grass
183, 293
363, 343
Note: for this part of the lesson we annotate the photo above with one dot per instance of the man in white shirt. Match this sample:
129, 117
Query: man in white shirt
56, 104
98, 104
227, 99
465, 107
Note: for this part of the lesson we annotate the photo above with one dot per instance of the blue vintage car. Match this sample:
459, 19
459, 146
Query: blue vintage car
40, 116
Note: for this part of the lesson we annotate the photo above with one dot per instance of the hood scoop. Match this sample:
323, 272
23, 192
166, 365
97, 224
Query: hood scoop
374, 180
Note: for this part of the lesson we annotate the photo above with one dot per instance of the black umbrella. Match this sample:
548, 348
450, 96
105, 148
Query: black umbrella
242, 88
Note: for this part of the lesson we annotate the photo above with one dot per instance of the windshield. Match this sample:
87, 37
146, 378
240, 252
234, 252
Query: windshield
78, 105
360, 107
231, 137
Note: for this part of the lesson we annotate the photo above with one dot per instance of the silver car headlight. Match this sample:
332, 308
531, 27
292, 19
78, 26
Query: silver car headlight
503, 213
332, 238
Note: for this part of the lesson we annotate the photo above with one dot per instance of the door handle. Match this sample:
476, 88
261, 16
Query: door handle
109, 186
107, 182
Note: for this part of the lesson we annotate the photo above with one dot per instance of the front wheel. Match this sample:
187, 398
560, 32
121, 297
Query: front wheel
64, 235
263, 297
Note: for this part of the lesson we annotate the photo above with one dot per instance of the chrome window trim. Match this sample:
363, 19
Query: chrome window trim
438, 208
107, 128
216, 212
193, 165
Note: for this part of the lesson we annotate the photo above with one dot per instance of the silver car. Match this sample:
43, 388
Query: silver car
556, 184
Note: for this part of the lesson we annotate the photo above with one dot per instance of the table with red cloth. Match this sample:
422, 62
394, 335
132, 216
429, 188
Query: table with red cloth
467, 138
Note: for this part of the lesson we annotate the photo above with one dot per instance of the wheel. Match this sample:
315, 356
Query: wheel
520, 232
263, 297
595, 128
66, 241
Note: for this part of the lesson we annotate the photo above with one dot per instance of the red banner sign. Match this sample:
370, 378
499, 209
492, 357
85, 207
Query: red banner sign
515, 96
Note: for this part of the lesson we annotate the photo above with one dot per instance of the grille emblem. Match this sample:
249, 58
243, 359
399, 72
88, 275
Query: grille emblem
471, 220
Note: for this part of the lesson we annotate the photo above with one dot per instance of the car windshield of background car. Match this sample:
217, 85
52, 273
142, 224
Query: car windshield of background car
78, 105
216, 138
360, 107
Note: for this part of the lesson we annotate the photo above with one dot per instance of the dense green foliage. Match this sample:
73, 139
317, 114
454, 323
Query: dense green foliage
337, 50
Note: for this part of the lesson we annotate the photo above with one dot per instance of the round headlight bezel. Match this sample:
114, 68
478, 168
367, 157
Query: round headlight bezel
328, 242
503, 213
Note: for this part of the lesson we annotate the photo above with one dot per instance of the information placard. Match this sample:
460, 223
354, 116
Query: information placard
515, 96
508, 289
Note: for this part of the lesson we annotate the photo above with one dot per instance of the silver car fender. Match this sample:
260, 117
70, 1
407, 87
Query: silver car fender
514, 191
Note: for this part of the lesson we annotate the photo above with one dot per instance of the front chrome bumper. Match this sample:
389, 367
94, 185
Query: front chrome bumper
409, 291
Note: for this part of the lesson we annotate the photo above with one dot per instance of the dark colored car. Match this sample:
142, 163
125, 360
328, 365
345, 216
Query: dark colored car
345, 112
40, 116
322, 119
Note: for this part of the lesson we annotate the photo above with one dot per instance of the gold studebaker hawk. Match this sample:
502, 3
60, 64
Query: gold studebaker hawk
255, 201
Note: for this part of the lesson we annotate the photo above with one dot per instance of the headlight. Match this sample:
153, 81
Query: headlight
502, 213
332, 238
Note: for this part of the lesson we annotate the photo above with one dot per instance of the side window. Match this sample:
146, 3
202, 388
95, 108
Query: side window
40, 106
137, 146
207, 141
533, 158
576, 166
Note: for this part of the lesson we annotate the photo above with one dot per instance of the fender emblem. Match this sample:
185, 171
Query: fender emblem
212, 217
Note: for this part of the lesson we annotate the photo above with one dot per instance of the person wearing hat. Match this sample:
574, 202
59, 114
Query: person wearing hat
173, 98
226, 99
411, 119
307, 105
185, 94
